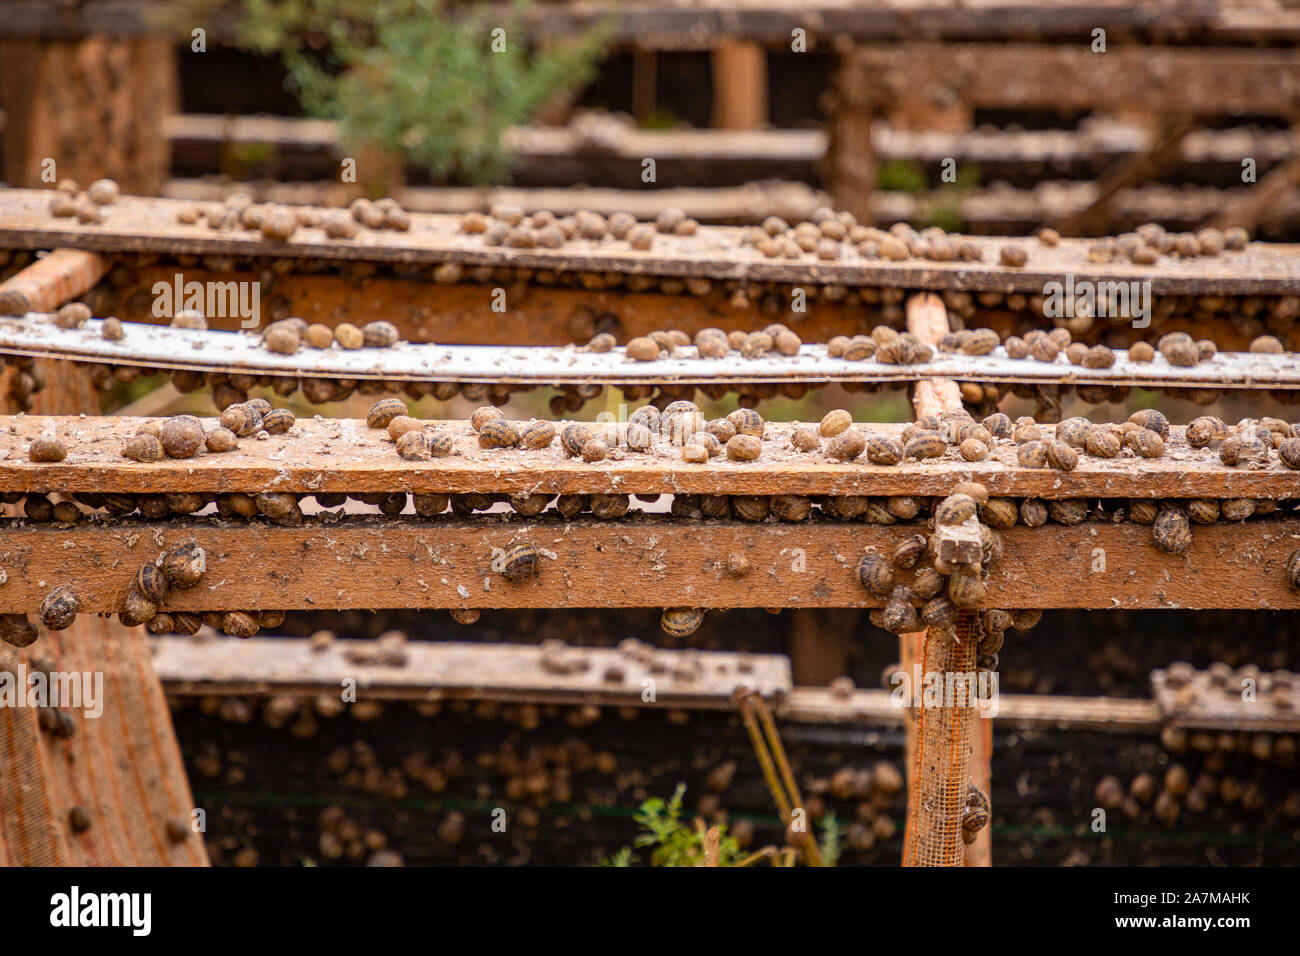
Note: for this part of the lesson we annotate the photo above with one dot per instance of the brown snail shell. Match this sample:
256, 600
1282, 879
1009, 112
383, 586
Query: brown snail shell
17, 631
278, 421
498, 433
520, 563
537, 434
239, 624
59, 609
1171, 532
681, 621
144, 448
184, 566
414, 446
380, 414
151, 582
875, 574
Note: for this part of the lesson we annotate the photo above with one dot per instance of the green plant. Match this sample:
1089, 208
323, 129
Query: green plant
673, 842
407, 76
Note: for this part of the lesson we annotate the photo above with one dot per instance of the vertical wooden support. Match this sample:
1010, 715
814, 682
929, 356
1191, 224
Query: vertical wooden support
819, 641
850, 164
123, 767
645, 84
739, 85
980, 853
927, 319
96, 106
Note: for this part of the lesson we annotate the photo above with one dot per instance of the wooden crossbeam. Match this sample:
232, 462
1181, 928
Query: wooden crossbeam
651, 561
1113, 714
149, 225
159, 347
209, 665
324, 455
448, 670
1039, 76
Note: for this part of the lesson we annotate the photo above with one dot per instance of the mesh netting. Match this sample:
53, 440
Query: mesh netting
940, 766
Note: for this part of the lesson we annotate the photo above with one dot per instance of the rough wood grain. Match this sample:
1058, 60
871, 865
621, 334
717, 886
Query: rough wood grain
448, 670
1113, 714
647, 561
137, 224
1037, 76
344, 455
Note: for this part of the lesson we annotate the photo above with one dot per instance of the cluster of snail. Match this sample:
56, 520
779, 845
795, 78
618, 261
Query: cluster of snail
287, 336
510, 226
1275, 689
183, 436
708, 342
975, 815
1166, 795
277, 223
940, 586
1146, 244
537, 778
87, 207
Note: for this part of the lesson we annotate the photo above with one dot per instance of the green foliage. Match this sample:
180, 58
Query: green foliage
674, 842
831, 845
414, 80
901, 175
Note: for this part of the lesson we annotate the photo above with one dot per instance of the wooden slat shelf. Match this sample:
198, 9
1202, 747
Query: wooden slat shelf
1030, 76
596, 143
639, 561
1120, 715
446, 670
344, 455
149, 225
160, 347
694, 25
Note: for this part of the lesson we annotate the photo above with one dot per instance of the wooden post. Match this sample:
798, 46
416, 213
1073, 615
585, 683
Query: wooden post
645, 84
820, 639
96, 106
927, 319
850, 172
121, 766
739, 85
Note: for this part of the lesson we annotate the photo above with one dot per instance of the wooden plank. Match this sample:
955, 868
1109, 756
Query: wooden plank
1029, 76
165, 348
1111, 714
343, 455
998, 209
149, 225
51, 281
646, 561
447, 670
698, 24
1247, 699
739, 85
606, 149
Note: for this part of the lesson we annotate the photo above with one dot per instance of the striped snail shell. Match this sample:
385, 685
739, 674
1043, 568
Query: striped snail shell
59, 609
681, 621
239, 624
151, 582
184, 566
520, 563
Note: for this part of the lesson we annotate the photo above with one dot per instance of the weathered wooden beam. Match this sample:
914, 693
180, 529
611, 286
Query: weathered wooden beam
1029, 76
447, 670
322, 455
149, 225
1112, 714
164, 348
650, 561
